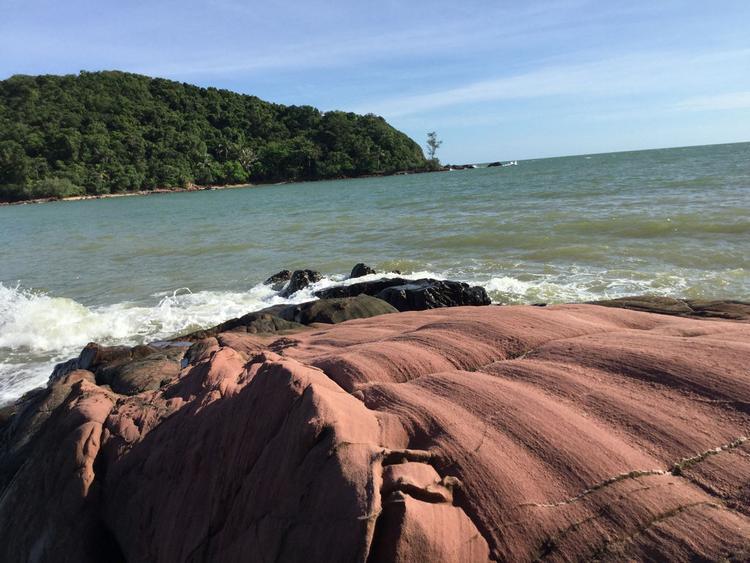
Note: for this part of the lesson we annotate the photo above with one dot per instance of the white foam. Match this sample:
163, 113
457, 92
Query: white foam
38, 330
580, 286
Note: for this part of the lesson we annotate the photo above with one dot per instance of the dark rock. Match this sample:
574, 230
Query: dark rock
361, 270
337, 310
200, 351
413, 295
136, 376
278, 280
431, 294
300, 279
265, 321
126, 370
726, 309
368, 288
63, 369
494, 164
283, 318
95, 355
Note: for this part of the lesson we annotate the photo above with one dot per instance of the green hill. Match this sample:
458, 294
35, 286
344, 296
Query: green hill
108, 132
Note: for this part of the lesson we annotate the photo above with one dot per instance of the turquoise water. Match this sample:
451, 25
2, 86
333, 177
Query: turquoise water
672, 222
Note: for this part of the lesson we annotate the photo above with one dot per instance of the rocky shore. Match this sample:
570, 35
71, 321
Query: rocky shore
394, 420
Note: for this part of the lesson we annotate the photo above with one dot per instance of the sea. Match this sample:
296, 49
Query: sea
672, 222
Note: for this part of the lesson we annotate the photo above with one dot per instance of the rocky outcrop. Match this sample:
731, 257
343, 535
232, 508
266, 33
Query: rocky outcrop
127, 370
727, 309
300, 279
352, 290
566, 433
360, 270
413, 295
287, 319
278, 280
336, 310
431, 294
50, 508
266, 321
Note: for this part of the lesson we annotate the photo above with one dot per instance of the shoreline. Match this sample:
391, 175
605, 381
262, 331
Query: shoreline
192, 188
211, 187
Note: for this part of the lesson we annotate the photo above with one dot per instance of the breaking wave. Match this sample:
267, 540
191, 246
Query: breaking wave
38, 330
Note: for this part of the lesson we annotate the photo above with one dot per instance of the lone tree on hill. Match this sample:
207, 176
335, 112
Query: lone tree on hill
433, 144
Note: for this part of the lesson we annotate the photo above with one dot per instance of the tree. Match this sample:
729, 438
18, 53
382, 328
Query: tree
104, 132
433, 144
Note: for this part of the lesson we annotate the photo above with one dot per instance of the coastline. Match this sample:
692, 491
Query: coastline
211, 187
191, 188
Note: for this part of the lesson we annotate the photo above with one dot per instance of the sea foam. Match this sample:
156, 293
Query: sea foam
38, 330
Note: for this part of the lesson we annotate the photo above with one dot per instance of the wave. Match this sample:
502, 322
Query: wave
38, 330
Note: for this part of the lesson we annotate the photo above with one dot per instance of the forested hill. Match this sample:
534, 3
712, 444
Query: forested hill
106, 132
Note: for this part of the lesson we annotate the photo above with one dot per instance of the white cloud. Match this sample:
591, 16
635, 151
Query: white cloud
617, 77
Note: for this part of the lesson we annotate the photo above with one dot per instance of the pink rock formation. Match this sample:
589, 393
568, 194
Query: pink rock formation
572, 432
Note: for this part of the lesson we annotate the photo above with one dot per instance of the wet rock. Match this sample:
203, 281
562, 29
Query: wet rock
494, 164
413, 295
95, 355
266, 321
92, 356
278, 280
337, 310
300, 279
368, 288
360, 270
432, 294
126, 370
726, 309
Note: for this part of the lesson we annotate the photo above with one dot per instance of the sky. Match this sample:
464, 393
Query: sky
496, 80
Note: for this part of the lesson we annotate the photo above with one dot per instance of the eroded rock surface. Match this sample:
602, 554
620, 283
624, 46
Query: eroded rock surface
563, 433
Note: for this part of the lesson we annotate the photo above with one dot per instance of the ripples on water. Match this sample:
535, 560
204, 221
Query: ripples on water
671, 222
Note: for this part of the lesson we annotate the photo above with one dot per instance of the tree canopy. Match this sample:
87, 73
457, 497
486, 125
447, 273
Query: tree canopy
109, 132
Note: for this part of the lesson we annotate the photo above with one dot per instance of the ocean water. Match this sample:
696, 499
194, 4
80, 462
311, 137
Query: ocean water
127, 270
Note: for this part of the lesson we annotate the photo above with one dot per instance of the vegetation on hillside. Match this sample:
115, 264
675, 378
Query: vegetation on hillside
109, 132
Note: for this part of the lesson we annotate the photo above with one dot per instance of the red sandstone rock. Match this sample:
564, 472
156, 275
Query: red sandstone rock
565, 433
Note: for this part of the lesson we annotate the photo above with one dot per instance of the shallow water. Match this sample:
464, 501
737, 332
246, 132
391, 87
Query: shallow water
671, 222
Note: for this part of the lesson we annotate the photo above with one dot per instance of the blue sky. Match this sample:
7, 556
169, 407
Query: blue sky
496, 80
